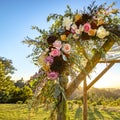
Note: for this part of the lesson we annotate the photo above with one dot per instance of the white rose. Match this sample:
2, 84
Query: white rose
101, 32
67, 22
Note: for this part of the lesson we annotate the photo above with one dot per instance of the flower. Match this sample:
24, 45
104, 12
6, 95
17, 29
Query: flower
81, 28
101, 32
100, 22
49, 59
57, 44
66, 48
77, 17
74, 26
67, 22
51, 39
63, 37
86, 27
52, 75
92, 32
55, 52
77, 31
76, 37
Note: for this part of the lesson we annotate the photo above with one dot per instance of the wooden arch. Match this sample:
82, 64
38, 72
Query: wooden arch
82, 76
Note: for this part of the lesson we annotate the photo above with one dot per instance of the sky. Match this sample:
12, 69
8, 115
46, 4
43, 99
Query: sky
16, 19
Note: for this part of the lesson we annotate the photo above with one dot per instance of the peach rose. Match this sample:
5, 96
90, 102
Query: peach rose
66, 48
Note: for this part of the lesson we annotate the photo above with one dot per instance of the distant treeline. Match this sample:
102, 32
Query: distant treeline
113, 93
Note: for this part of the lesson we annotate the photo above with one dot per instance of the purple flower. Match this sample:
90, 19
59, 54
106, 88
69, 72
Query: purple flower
52, 75
49, 59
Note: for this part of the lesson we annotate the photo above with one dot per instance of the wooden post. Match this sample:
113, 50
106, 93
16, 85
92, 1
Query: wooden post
100, 75
94, 60
85, 100
62, 104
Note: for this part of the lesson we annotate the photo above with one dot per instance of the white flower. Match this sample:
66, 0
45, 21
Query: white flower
67, 21
81, 28
77, 31
74, 26
57, 44
101, 32
76, 37
66, 48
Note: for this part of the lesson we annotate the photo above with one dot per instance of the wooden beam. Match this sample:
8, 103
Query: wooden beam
100, 75
85, 99
109, 61
95, 59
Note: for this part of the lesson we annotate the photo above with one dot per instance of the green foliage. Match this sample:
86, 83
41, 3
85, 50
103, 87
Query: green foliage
8, 67
20, 94
20, 83
9, 93
6, 85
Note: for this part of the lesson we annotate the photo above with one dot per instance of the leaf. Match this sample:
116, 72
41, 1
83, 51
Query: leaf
64, 57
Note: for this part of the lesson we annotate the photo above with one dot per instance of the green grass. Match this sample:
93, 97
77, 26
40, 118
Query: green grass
20, 112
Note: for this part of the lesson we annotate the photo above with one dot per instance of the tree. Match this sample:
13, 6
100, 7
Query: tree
71, 48
8, 67
6, 85
20, 83
20, 94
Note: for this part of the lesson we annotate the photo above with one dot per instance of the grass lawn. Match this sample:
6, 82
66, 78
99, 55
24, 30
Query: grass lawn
20, 112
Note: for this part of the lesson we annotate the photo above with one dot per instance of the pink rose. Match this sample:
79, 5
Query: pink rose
55, 52
86, 27
57, 44
66, 48
52, 75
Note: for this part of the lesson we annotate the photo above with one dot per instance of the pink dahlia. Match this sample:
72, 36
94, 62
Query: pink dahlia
52, 75
49, 59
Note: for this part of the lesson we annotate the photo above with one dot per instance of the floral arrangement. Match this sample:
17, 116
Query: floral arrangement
63, 50
69, 28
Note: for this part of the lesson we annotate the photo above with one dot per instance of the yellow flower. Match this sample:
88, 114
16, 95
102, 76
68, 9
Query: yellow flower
77, 17
63, 37
92, 32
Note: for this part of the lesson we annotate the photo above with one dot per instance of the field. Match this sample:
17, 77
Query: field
20, 112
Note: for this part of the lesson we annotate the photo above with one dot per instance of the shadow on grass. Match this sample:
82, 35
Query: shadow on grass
98, 114
78, 114
91, 114
113, 114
